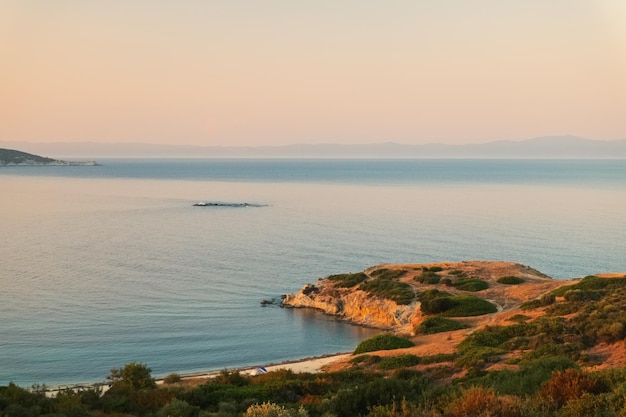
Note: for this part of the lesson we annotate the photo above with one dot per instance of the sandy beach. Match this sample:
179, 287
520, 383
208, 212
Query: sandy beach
305, 365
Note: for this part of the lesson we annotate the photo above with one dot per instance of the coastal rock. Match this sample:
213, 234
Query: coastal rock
354, 305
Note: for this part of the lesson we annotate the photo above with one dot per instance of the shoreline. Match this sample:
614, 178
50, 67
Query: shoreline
311, 364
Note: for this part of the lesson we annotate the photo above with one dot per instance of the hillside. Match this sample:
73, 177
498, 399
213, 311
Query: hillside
335, 295
10, 157
478, 314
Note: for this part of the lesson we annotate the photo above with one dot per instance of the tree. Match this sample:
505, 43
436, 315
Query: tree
133, 375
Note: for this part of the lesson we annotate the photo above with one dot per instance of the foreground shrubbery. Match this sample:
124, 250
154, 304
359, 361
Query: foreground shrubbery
551, 387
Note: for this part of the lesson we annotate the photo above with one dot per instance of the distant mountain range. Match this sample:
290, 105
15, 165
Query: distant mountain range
542, 147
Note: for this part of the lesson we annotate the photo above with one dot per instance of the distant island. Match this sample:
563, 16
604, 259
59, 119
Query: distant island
10, 157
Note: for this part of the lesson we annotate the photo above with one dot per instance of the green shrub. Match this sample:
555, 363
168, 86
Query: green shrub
172, 378
437, 305
584, 295
434, 325
366, 359
400, 361
399, 292
348, 280
510, 280
468, 305
458, 273
472, 285
518, 318
438, 358
435, 269
382, 342
547, 299
530, 305
385, 273
428, 277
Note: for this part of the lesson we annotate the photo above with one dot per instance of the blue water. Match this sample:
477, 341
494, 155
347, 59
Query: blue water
106, 265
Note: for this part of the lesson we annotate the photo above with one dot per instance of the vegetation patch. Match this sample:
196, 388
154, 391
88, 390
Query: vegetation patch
348, 280
399, 361
382, 342
468, 306
437, 324
510, 280
385, 273
518, 318
365, 359
428, 277
471, 285
400, 292
530, 305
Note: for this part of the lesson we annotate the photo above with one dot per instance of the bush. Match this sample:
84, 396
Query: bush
274, 410
566, 385
366, 359
348, 280
178, 408
518, 318
478, 401
382, 342
547, 299
400, 361
530, 305
510, 280
133, 375
399, 292
468, 305
385, 273
472, 285
172, 379
434, 325
428, 277
437, 305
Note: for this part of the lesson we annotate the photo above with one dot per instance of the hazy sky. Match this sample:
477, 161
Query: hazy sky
346, 71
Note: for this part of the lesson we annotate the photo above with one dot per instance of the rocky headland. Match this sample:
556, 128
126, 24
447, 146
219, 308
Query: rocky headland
11, 157
438, 305
357, 305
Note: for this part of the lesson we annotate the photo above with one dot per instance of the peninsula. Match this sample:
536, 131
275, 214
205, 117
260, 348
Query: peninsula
439, 307
10, 157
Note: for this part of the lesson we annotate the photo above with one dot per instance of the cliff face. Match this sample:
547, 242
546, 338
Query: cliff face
360, 307
353, 304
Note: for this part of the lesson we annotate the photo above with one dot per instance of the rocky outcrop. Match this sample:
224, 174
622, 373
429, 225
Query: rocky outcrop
360, 307
352, 304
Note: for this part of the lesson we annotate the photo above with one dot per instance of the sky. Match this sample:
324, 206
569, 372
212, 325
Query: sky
249, 73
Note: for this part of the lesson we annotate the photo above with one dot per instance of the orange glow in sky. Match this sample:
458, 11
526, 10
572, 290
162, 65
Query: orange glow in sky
279, 72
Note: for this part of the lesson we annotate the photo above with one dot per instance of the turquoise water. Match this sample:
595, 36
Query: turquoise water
106, 265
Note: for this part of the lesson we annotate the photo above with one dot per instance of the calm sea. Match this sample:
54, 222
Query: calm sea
106, 265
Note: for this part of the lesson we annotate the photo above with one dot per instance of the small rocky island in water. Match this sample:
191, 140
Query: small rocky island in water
10, 157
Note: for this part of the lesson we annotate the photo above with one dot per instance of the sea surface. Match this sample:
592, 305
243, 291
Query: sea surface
101, 266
